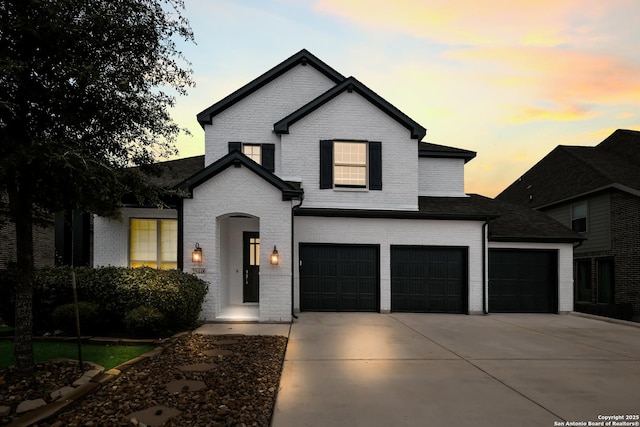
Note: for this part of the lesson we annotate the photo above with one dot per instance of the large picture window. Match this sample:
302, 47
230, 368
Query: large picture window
350, 164
154, 243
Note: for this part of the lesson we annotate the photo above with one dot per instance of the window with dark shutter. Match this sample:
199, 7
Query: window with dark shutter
375, 165
268, 157
326, 164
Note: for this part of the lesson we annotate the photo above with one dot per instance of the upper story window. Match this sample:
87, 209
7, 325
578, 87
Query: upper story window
153, 243
253, 151
350, 164
579, 217
262, 154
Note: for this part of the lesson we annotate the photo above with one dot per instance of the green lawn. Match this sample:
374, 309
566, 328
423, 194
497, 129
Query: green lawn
107, 356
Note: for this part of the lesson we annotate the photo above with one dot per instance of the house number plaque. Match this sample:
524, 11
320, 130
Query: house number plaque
199, 270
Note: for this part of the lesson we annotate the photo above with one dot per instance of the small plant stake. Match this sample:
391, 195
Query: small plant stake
75, 303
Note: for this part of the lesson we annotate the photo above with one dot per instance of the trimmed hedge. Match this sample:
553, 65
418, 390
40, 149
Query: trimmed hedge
176, 295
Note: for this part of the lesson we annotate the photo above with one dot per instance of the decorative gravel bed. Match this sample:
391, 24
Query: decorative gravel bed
196, 381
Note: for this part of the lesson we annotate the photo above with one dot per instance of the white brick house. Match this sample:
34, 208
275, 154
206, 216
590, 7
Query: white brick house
364, 216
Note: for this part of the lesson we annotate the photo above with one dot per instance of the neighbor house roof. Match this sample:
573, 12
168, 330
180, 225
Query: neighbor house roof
351, 84
303, 57
569, 172
426, 149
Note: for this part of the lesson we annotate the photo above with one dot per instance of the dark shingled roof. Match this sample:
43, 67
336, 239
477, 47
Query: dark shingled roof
508, 222
569, 171
427, 149
171, 173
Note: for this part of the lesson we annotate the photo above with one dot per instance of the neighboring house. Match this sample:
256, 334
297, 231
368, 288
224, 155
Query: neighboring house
595, 191
316, 194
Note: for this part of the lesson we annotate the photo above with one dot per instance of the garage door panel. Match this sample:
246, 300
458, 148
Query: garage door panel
428, 279
347, 274
523, 281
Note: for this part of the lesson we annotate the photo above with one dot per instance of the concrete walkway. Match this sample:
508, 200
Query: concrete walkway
356, 369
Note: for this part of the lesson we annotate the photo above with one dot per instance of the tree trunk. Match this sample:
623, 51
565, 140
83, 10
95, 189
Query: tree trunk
21, 207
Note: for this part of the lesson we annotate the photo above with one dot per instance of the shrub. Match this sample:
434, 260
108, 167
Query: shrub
144, 321
115, 290
64, 317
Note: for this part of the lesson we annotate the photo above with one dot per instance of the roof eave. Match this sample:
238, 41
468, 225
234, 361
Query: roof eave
467, 155
537, 239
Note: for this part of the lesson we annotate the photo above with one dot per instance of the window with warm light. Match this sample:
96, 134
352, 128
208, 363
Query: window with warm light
153, 243
253, 151
350, 164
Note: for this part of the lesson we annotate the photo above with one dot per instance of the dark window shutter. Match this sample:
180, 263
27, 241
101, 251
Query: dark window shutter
326, 164
235, 146
375, 165
268, 157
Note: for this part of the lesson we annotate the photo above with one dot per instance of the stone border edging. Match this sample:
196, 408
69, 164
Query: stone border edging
97, 381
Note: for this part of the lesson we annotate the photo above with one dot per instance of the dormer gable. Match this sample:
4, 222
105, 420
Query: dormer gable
304, 57
351, 84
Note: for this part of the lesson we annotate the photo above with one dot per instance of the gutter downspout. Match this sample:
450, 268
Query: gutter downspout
293, 208
485, 309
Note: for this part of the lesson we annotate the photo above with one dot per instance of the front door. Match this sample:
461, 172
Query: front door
251, 266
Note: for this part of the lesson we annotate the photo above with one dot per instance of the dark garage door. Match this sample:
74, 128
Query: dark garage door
523, 281
339, 277
427, 279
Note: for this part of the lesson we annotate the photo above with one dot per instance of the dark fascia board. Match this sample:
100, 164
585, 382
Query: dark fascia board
237, 159
449, 154
388, 214
351, 84
303, 57
536, 239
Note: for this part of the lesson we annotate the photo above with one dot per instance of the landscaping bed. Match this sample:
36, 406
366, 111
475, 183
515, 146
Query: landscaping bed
196, 380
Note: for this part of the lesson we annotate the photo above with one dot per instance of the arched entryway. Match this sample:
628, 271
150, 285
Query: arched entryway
239, 243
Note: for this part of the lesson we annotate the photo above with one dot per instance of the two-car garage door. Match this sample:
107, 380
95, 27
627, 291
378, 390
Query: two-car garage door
346, 278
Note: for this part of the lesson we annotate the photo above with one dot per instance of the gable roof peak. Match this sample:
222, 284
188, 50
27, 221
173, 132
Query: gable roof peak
351, 84
303, 57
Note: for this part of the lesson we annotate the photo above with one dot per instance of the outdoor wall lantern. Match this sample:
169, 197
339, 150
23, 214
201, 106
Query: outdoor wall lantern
196, 255
274, 259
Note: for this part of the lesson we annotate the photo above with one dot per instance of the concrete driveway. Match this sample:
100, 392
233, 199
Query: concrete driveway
354, 369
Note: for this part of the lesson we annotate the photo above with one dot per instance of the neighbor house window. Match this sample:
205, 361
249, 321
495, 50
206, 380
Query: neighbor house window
253, 151
579, 217
606, 289
154, 243
583, 280
350, 164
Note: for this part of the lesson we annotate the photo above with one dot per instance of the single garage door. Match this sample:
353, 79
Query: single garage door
523, 281
428, 279
339, 277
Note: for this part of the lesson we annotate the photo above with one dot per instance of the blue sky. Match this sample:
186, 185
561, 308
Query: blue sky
508, 79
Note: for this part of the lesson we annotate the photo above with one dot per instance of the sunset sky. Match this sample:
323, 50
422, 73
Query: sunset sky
509, 79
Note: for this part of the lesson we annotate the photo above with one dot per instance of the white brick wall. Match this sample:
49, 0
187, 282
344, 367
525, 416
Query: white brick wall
111, 236
208, 220
387, 232
565, 268
349, 116
251, 119
441, 177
